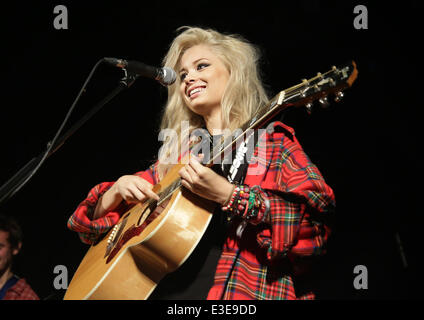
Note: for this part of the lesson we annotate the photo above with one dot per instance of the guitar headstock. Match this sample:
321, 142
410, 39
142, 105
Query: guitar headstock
321, 87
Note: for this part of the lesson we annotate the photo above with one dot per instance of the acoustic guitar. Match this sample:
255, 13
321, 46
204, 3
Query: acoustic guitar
154, 238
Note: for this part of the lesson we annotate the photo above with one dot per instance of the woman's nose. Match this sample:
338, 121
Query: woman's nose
190, 77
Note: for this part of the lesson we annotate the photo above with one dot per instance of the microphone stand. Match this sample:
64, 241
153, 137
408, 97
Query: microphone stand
14, 184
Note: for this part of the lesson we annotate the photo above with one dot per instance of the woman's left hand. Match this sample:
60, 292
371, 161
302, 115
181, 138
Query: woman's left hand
204, 182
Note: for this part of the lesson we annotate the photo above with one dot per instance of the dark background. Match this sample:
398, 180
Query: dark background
366, 147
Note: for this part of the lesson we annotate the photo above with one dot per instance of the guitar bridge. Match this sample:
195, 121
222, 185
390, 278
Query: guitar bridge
114, 236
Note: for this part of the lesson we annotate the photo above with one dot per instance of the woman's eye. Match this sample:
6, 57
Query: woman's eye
202, 66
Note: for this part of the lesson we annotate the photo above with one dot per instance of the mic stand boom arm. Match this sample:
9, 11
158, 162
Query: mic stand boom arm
14, 184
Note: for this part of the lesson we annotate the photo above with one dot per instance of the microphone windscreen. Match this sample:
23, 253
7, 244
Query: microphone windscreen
169, 76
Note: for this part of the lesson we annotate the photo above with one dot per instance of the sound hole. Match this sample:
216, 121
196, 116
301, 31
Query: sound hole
152, 210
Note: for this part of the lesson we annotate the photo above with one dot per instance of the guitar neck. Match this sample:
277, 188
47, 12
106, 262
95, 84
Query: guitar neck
305, 93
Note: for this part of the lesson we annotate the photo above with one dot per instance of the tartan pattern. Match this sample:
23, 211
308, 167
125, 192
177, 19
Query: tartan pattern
264, 261
90, 230
298, 197
21, 291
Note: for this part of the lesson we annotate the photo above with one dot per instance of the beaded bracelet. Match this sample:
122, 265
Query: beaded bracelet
237, 202
256, 203
242, 200
226, 203
247, 202
231, 199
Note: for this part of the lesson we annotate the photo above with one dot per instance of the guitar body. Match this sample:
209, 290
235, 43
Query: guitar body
149, 242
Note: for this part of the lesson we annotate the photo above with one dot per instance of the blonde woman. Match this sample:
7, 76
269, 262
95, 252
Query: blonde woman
268, 227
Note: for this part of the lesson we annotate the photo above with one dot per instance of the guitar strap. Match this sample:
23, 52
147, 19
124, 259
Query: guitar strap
236, 171
234, 166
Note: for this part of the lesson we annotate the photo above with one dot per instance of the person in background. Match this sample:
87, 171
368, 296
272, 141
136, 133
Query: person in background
11, 286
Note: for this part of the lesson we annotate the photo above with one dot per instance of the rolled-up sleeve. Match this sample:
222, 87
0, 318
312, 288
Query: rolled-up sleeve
81, 220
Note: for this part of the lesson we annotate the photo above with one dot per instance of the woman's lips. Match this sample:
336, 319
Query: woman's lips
195, 91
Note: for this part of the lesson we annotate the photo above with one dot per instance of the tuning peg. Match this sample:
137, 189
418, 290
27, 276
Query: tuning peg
307, 87
324, 102
339, 96
309, 107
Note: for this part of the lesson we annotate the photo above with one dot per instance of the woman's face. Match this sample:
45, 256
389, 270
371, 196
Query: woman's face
204, 78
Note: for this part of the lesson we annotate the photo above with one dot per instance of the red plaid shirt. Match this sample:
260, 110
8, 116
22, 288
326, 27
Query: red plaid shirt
264, 262
21, 290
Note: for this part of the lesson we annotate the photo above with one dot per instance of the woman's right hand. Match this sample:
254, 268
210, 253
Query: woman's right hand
130, 188
134, 189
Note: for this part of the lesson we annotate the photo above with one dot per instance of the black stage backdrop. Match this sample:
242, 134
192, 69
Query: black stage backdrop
366, 147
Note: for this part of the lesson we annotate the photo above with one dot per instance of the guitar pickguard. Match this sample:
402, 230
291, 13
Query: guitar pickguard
146, 217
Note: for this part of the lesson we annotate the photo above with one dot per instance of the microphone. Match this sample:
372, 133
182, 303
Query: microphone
166, 76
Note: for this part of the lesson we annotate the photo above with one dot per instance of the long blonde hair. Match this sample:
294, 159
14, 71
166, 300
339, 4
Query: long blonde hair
242, 97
